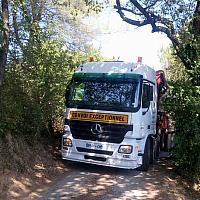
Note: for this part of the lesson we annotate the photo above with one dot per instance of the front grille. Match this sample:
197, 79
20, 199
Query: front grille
80, 149
95, 158
112, 133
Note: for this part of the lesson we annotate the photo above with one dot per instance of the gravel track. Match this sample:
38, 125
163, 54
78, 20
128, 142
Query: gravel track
90, 182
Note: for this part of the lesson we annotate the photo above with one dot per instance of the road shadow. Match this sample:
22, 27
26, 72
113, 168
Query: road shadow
87, 167
92, 168
87, 181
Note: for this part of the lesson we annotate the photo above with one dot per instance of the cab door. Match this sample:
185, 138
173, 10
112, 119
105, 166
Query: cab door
148, 107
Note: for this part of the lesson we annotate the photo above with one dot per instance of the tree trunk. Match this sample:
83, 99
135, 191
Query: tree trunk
3, 48
5, 40
196, 21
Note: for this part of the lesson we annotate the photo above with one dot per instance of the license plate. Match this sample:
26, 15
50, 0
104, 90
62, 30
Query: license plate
94, 146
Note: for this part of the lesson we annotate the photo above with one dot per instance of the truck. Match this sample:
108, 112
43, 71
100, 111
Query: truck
112, 110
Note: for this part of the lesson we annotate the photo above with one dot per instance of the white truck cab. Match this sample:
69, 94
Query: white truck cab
111, 115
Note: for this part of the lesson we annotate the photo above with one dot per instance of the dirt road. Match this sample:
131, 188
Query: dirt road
91, 182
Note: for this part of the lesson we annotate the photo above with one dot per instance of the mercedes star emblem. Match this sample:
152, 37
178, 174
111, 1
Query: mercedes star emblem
96, 129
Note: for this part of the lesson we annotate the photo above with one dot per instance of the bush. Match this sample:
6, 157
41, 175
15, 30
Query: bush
33, 93
183, 102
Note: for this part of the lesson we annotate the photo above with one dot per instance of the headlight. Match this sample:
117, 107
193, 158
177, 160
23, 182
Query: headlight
127, 149
67, 142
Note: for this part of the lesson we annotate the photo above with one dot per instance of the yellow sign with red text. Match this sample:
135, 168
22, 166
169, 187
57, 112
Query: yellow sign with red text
101, 117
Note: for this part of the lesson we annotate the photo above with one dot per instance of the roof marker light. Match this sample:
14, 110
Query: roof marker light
91, 59
139, 61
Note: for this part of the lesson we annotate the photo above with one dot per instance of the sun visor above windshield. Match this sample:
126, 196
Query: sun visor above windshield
136, 77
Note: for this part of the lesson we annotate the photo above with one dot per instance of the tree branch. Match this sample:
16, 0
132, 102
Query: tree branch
151, 19
128, 20
196, 20
160, 24
15, 24
141, 9
151, 5
127, 9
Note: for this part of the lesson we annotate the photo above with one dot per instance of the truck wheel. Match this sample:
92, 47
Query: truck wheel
162, 140
166, 142
153, 150
146, 157
158, 148
161, 143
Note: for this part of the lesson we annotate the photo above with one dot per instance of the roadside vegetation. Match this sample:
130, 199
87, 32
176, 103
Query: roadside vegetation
182, 102
42, 42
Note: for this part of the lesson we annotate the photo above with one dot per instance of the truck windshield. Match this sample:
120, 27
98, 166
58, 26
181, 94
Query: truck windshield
103, 95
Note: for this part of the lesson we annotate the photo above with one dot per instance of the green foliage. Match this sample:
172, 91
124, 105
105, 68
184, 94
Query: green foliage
47, 42
175, 69
33, 94
190, 51
81, 7
40, 66
183, 104
183, 101
34, 88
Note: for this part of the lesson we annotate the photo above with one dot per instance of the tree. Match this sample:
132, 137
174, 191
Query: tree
183, 98
41, 60
176, 19
174, 68
42, 57
4, 24
28, 18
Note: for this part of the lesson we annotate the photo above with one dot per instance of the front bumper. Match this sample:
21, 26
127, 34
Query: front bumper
118, 160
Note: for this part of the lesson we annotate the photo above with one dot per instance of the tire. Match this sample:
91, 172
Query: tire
146, 157
158, 147
162, 145
153, 149
166, 142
